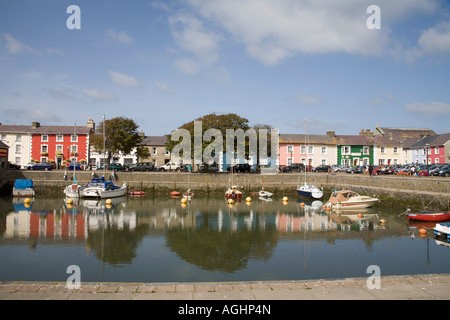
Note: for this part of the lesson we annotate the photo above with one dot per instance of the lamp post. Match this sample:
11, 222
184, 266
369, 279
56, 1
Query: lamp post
427, 146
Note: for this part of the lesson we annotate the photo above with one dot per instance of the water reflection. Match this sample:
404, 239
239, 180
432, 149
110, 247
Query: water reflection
206, 232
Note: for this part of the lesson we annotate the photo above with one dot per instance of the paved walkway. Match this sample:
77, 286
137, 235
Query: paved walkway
414, 287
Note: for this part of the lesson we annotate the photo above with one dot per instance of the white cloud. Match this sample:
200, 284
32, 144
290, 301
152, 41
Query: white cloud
123, 80
162, 87
14, 46
186, 66
436, 39
121, 37
99, 95
433, 108
191, 35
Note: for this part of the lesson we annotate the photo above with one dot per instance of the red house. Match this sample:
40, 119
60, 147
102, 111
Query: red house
439, 149
59, 144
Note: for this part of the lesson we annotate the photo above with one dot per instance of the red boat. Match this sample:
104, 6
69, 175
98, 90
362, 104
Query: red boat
429, 216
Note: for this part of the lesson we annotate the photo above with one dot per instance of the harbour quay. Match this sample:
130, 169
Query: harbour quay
409, 287
435, 190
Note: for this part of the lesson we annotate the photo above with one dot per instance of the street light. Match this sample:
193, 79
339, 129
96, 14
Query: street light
427, 146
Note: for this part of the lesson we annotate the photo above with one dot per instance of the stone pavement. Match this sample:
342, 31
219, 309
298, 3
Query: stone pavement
413, 287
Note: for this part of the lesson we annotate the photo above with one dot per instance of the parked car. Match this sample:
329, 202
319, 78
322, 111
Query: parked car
285, 169
142, 166
169, 166
435, 171
13, 166
445, 171
185, 168
214, 167
356, 169
40, 166
112, 166
241, 167
28, 165
77, 165
322, 168
297, 167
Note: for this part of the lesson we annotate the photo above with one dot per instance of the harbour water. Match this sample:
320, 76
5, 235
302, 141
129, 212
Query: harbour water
143, 239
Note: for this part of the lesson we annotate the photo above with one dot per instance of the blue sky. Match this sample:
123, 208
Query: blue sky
165, 63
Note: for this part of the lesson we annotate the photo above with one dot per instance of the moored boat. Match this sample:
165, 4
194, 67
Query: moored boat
100, 188
309, 191
442, 231
233, 193
346, 199
428, 216
23, 188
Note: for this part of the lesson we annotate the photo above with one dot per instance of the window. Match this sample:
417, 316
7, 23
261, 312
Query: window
383, 150
324, 150
436, 150
74, 138
436, 161
303, 149
17, 160
73, 149
18, 148
44, 148
167, 151
324, 161
59, 147
44, 137
154, 151
311, 149
417, 152
44, 159
366, 150
424, 151
289, 161
59, 138
395, 150
290, 149
345, 150
18, 137
3, 137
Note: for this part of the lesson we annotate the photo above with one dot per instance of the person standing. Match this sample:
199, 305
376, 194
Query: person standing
65, 175
370, 169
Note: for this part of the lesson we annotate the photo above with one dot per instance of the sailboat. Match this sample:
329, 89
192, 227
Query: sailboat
73, 190
99, 187
232, 191
263, 193
309, 190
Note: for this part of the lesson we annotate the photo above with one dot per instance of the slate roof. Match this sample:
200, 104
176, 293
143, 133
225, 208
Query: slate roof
300, 138
432, 141
154, 141
79, 130
364, 140
401, 134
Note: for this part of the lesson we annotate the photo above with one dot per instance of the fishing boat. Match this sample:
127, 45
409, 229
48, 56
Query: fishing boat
23, 188
346, 199
101, 188
308, 190
427, 215
442, 231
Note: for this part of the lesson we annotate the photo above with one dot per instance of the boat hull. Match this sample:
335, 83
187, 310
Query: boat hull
310, 194
442, 231
72, 191
433, 217
101, 193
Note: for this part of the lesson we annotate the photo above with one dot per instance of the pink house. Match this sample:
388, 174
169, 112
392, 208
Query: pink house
439, 149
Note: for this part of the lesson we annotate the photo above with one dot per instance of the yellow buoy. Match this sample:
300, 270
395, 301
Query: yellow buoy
230, 201
69, 201
27, 200
108, 201
183, 200
285, 198
248, 199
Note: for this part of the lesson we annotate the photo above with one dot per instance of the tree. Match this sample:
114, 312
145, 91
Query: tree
121, 135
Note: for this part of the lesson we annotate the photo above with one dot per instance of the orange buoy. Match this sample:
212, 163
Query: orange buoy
422, 231
302, 204
175, 193
382, 221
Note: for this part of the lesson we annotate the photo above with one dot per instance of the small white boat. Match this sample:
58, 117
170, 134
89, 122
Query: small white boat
347, 199
265, 194
73, 190
442, 231
99, 188
309, 191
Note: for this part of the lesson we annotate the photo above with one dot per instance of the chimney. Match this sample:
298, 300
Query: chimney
331, 134
35, 124
91, 125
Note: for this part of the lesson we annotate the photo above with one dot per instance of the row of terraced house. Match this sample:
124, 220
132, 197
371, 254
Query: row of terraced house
20, 144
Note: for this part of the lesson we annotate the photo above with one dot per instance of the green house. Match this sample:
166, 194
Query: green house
355, 150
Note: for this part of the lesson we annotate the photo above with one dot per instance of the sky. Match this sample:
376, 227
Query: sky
283, 62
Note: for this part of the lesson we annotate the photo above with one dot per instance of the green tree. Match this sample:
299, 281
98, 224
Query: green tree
120, 135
